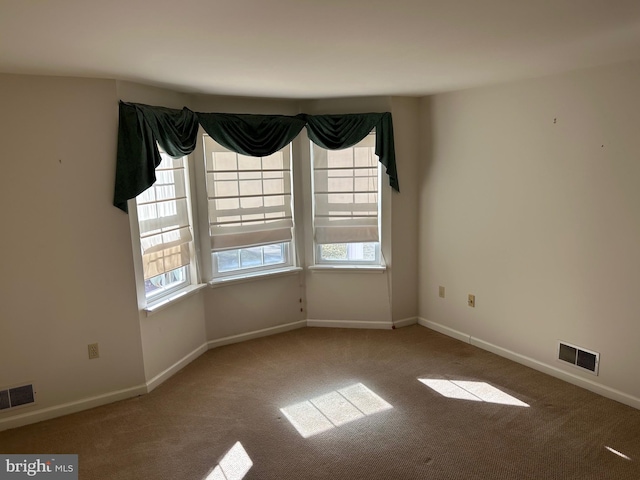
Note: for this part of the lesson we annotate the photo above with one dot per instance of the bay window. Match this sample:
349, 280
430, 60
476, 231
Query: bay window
245, 195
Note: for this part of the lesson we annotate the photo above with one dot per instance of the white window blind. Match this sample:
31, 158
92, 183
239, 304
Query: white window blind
249, 197
163, 217
346, 193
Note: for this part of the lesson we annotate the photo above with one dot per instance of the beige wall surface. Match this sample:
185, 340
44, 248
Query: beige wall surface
67, 278
529, 199
171, 334
404, 211
254, 305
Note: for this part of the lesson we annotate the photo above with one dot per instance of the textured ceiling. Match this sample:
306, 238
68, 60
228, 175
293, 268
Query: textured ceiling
315, 49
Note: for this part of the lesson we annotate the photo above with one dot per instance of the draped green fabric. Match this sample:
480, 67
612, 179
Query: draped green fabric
253, 135
334, 132
140, 127
176, 131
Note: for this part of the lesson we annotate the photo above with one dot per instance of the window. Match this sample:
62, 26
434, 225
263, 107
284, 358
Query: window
346, 204
249, 205
164, 223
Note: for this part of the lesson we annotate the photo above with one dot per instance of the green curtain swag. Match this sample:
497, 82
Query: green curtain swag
176, 131
254, 135
334, 132
140, 127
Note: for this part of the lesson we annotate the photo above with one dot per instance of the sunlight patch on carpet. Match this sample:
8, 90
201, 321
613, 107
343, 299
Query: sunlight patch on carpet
233, 466
474, 391
334, 409
620, 454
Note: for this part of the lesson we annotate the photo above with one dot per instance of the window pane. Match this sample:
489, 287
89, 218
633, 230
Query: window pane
273, 254
166, 281
349, 252
251, 257
334, 251
228, 260
369, 251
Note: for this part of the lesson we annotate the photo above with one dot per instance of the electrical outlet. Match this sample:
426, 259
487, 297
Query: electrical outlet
471, 301
93, 351
441, 291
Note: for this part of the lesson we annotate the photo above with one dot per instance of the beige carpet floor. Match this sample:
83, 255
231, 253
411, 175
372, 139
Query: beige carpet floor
364, 413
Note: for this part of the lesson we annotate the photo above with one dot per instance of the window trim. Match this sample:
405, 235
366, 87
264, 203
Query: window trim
158, 301
347, 265
236, 279
320, 261
171, 299
236, 276
154, 297
250, 271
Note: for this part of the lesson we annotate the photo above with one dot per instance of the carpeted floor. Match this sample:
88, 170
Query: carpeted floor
362, 412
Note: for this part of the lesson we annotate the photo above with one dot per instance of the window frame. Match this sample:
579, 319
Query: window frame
252, 271
318, 261
149, 302
209, 255
348, 262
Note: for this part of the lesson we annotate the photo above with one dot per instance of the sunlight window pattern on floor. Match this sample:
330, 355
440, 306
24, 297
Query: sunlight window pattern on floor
233, 466
474, 391
334, 409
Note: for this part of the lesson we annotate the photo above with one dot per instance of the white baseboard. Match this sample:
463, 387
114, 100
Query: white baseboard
463, 337
349, 324
256, 334
405, 322
173, 369
70, 407
556, 372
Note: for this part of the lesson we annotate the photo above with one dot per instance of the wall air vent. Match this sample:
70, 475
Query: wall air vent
17, 397
579, 357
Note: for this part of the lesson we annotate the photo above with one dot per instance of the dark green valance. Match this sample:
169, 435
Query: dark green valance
334, 132
140, 127
176, 131
254, 135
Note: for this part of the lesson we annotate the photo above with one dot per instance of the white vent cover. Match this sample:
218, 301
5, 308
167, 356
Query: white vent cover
17, 397
579, 357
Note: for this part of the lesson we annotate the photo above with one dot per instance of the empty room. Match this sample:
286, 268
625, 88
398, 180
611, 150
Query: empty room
346, 240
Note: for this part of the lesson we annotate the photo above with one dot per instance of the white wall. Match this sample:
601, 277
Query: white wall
529, 199
67, 277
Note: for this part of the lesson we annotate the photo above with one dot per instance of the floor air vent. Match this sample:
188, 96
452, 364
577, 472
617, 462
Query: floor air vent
17, 397
579, 357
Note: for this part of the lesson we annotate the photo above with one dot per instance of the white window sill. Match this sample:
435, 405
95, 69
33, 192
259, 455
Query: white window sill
349, 268
173, 298
250, 277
